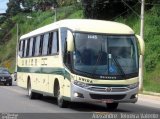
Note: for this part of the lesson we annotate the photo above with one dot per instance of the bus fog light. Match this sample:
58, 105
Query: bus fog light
136, 96
75, 94
80, 95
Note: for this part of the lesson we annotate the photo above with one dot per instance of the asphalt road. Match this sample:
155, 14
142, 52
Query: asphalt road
13, 99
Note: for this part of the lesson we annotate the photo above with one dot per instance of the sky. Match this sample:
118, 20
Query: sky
3, 5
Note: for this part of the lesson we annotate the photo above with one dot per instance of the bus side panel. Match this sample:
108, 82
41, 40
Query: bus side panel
20, 81
67, 88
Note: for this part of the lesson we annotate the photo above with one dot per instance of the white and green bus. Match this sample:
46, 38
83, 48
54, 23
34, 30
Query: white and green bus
81, 60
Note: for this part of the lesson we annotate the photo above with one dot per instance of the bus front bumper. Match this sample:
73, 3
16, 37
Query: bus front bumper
79, 94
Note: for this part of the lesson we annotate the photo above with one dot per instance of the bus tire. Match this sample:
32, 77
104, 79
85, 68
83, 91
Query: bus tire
112, 106
60, 101
31, 94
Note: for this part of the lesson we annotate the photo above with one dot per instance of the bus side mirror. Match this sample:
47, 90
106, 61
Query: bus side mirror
142, 44
70, 42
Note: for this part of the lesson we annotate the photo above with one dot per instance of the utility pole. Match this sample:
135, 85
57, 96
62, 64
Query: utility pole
55, 17
141, 70
17, 47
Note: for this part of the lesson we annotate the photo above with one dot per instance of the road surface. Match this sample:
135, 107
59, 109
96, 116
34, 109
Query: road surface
14, 99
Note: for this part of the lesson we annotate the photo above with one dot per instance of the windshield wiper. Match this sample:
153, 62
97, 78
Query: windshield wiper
119, 66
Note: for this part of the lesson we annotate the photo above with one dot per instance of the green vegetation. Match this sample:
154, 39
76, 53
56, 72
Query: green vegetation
152, 46
39, 18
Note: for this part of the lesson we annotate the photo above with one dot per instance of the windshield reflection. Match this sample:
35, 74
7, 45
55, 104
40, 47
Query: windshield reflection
105, 55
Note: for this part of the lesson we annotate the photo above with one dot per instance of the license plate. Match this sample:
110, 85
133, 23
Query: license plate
107, 101
3, 79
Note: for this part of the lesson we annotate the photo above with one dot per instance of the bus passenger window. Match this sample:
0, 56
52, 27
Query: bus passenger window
37, 45
25, 49
45, 44
20, 48
50, 43
33, 47
55, 47
41, 45
30, 47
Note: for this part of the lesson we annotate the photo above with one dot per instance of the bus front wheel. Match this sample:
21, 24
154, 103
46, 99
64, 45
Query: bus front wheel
61, 102
31, 94
112, 106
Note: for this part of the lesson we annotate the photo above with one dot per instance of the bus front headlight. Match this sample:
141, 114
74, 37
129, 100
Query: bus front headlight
80, 84
132, 86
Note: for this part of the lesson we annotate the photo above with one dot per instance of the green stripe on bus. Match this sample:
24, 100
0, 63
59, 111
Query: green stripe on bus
45, 70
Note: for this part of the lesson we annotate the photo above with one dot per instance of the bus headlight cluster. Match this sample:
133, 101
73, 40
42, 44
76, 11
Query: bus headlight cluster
132, 86
80, 84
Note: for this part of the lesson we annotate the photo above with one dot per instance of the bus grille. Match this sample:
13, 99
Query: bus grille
103, 89
114, 97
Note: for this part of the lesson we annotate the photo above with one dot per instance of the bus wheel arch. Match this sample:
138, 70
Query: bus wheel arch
57, 93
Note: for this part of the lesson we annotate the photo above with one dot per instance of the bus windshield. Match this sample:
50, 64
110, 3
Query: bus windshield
101, 54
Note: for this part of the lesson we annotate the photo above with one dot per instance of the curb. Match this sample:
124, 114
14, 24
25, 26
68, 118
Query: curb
150, 93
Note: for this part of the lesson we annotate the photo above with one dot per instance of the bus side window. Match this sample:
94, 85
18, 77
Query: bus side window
33, 47
37, 45
28, 47
63, 38
55, 44
20, 48
41, 45
45, 44
50, 43
25, 49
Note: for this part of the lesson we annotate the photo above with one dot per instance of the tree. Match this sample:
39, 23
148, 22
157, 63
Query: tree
44, 4
13, 7
105, 9
65, 2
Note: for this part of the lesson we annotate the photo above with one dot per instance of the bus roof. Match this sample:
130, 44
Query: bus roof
84, 25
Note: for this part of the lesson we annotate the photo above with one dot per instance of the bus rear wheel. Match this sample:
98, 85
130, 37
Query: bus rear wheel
112, 106
60, 101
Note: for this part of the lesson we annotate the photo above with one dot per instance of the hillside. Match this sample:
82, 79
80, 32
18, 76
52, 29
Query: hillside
39, 19
152, 36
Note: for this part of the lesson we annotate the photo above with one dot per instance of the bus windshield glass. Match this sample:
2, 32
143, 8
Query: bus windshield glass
101, 54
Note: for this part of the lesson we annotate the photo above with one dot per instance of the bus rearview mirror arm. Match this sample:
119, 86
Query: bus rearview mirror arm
142, 44
70, 42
